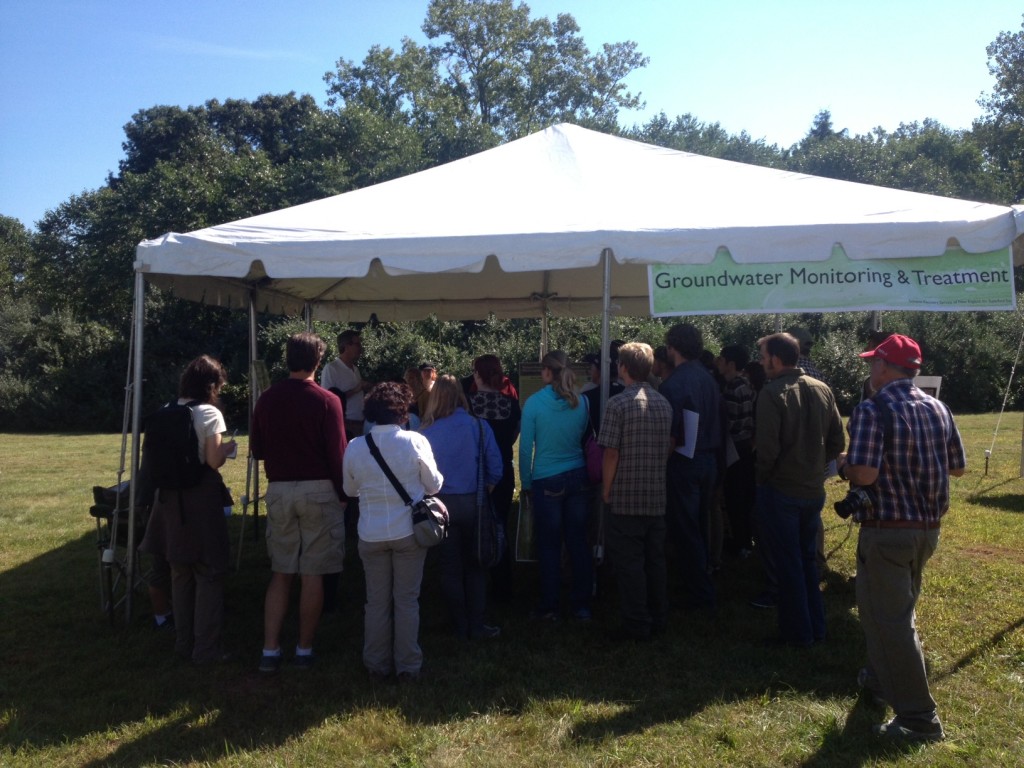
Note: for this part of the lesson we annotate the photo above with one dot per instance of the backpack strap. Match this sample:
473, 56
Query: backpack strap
387, 470
888, 422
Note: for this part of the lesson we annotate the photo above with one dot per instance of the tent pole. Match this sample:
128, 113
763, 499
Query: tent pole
139, 321
606, 300
606, 376
252, 491
254, 464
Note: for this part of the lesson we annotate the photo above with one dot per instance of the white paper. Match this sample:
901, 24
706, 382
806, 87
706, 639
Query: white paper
691, 419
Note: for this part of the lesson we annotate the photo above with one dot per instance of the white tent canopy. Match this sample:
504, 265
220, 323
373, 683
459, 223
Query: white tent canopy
519, 229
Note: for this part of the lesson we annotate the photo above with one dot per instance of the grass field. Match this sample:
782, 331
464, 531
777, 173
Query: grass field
76, 692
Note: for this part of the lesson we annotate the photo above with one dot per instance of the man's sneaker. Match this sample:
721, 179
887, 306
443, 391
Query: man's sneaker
168, 623
897, 730
304, 662
270, 663
765, 600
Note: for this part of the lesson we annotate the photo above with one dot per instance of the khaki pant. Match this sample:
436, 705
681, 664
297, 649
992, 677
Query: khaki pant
889, 566
393, 570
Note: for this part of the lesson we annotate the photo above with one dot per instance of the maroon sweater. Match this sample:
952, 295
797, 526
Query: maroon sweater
298, 431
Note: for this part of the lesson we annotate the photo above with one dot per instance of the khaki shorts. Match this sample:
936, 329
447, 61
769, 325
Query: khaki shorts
305, 527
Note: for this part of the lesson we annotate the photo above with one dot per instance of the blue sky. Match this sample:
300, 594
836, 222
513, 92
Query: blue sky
72, 72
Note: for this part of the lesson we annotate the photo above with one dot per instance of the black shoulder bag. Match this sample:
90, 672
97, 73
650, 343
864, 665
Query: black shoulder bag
429, 514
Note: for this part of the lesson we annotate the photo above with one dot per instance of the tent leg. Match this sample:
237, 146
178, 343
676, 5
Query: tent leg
606, 308
131, 564
252, 468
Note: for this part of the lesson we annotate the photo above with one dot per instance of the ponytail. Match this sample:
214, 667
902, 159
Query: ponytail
563, 381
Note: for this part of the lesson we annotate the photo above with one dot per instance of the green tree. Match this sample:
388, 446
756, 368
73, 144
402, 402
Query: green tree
688, 134
1001, 130
922, 157
15, 253
494, 73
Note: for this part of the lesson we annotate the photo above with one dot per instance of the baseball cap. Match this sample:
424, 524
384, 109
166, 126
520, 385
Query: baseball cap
427, 367
897, 350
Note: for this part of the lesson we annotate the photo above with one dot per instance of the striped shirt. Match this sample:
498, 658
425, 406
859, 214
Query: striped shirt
914, 461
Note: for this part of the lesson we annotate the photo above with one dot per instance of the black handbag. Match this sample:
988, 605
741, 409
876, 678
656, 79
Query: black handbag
429, 514
490, 533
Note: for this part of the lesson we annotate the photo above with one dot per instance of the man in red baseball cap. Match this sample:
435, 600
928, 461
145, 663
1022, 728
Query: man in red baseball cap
904, 446
897, 350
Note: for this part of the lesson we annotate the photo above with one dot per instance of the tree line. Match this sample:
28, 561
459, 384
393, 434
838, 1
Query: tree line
489, 73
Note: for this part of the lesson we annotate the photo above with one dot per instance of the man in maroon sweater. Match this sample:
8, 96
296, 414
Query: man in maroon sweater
299, 434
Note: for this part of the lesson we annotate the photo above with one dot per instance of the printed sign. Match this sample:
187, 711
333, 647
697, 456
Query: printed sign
953, 282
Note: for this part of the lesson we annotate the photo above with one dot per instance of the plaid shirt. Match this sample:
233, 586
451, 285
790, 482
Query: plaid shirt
810, 369
638, 423
738, 397
913, 477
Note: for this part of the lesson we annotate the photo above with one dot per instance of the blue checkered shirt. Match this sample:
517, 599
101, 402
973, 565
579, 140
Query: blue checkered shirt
913, 475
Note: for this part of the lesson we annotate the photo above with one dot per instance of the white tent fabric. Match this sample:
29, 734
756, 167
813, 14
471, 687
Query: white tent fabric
519, 229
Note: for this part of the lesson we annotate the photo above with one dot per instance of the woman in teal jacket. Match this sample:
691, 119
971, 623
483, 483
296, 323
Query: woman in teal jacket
552, 471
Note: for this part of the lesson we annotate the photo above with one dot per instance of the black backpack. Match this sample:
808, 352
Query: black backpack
170, 451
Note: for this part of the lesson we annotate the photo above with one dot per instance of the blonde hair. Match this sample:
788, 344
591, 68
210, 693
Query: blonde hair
637, 358
563, 380
445, 396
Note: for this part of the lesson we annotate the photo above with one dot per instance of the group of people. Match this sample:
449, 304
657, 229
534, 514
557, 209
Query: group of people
777, 448
672, 430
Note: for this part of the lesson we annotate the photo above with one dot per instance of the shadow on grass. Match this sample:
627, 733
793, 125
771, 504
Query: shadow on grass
72, 679
854, 744
981, 649
1005, 502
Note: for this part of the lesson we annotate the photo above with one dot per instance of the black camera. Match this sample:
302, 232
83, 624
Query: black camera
857, 500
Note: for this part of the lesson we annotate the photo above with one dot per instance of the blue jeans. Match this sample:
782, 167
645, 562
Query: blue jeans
789, 527
560, 510
691, 484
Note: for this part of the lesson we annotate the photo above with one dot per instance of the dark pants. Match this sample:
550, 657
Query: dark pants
789, 527
691, 485
463, 581
636, 546
198, 594
740, 492
501, 497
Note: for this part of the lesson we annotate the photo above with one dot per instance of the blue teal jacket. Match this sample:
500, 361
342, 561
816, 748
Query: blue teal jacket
551, 437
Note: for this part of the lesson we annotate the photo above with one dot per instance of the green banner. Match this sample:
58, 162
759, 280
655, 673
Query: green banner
955, 281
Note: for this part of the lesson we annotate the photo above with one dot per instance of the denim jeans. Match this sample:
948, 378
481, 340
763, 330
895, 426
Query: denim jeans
560, 511
789, 527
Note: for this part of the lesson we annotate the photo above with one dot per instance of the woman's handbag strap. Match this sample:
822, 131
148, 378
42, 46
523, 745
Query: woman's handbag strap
387, 470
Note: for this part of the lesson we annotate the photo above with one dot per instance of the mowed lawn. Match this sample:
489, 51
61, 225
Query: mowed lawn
75, 691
